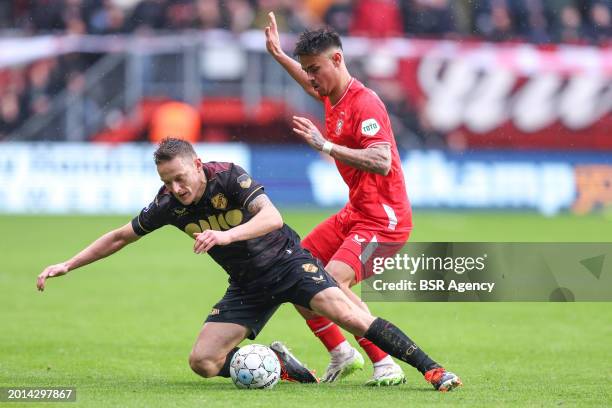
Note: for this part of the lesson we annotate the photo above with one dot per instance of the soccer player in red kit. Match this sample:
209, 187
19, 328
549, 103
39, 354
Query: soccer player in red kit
360, 140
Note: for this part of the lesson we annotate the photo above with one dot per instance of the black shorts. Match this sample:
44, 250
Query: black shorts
296, 280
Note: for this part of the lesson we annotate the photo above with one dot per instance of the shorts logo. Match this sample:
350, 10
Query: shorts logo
310, 268
318, 278
244, 181
370, 127
214, 312
219, 201
358, 239
339, 127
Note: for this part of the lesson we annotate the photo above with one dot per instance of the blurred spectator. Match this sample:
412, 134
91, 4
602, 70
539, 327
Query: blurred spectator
494, 21
10, 113
570, 27
428, 17
339, 16
377, 18
239, 15
182, 14
208, 14
601, 31
147, 15
109, 19
37, 98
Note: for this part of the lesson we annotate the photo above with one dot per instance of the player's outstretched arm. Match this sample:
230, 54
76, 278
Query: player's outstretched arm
291, 66
375, 159
266, 219
104, 246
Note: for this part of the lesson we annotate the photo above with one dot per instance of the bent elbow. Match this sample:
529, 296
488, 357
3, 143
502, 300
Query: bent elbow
277, 221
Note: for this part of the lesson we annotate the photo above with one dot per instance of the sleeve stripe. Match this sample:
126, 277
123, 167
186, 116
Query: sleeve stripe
140, 225
378, 143
250, 195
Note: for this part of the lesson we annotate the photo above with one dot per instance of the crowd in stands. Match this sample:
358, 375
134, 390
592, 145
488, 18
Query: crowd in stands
26, 92
539, 21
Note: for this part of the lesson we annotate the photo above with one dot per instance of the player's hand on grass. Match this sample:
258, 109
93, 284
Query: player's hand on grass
272, 38
204, 241
309, 132
51, 272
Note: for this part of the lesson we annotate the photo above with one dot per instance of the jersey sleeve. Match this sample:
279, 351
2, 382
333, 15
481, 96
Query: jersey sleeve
241, 187
152, 217
371, 123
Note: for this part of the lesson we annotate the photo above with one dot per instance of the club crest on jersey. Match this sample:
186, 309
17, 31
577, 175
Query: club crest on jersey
219, 201
310, 268
244, 181
370, 127
339, 126
179, 212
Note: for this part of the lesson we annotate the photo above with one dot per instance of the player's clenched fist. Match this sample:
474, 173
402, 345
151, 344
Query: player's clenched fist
204, 241
308, 131
51, 272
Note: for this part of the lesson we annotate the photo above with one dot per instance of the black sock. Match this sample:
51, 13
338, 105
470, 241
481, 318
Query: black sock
392, 340
228, 359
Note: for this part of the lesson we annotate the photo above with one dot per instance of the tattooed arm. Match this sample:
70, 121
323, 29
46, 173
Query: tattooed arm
266, 219
375, 159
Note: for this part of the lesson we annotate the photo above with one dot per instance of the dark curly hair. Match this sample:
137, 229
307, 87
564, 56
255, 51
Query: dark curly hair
316, 42
171, 147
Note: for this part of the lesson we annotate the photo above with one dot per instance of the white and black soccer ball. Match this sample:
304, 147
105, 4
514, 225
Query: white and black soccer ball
255, 367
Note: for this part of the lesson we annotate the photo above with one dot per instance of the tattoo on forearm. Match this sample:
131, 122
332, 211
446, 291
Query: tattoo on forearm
258, 203
375, 159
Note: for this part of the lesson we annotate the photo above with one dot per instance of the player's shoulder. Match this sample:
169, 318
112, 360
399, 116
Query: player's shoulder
164, 198
214, 169
364, 96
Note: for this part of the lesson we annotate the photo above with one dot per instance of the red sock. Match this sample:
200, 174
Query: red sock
326, 331
371, 349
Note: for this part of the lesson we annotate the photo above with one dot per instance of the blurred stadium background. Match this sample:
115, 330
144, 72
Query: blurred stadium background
495, 104
502, 111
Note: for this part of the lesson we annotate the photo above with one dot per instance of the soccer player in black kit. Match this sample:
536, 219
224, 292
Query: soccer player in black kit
231, 218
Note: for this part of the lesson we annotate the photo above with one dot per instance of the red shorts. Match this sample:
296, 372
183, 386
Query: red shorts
346, 235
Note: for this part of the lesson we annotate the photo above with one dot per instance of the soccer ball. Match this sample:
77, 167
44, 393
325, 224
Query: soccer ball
255, 366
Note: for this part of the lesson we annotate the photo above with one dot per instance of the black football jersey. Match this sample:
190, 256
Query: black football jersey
229, 191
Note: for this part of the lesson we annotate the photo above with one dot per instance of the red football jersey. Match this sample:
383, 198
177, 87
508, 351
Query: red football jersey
360, 120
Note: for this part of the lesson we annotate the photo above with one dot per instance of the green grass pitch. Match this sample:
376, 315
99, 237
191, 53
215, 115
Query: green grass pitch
120, 331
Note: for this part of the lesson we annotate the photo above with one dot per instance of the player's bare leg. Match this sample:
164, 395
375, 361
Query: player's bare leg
345, 359
214, 348
335, 305
216, 344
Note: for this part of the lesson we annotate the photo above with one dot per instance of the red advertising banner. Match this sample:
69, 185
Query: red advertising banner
505, 95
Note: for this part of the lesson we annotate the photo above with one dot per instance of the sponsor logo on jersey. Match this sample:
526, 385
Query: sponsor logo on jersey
310, 268
245, 181
219, 222
219, 201
339, 127
370, 127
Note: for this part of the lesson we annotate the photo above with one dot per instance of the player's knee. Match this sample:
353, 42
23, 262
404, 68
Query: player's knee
204, 365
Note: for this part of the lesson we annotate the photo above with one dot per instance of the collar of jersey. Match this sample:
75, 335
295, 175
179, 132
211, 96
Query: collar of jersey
350, 84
